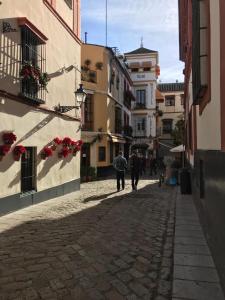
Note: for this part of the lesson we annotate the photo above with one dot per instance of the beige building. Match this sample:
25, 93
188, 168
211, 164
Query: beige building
144, 71
107, 115
170, 111
38, 37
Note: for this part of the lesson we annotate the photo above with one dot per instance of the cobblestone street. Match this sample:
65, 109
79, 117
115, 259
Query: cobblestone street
94, 244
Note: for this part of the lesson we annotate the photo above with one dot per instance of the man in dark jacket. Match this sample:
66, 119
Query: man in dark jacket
135, 165
120, 164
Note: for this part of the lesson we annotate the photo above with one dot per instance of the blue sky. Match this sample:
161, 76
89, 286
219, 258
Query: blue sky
129, 20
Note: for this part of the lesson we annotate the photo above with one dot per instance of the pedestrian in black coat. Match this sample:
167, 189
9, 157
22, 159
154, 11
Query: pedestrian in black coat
135, 165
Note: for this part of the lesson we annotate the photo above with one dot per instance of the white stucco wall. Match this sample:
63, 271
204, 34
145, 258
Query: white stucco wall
208, 124
34, 127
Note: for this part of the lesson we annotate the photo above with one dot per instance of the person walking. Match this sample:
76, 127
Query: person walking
135, 165
120, 165
153, 166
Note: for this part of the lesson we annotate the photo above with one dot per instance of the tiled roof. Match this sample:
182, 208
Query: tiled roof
171, 87
141, 50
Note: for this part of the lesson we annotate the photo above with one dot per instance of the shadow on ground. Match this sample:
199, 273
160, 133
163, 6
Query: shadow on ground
112, 250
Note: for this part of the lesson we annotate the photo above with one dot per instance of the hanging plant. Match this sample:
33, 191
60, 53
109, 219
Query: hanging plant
9, 138
99, 65
18, 151
4, 149
46, 152
87, 62
34, 74
56, 142
64, 152
66, 141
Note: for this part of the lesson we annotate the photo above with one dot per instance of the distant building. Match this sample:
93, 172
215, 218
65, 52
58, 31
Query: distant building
144, 71
107, 112
171, 110
38, 37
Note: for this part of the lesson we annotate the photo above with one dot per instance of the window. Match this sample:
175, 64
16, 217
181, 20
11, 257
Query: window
28, 170
167, 125
182, 99
146, 69
111, 152
101, 154
140, 98
33, 52
200, 58
118, 120
134, 70
140, 125
170, 101
88, 113
69, 3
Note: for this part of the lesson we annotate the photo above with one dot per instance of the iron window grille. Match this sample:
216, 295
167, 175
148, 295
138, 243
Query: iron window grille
34, 52
118, 120
101, 153
28, 170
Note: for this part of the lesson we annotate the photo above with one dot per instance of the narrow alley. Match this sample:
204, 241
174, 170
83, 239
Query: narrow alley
92, 244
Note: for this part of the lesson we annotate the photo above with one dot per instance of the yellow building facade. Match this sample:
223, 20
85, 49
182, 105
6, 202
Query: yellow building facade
107, 118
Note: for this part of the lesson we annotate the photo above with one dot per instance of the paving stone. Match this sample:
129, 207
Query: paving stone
193, 260
197, 290
195, 273
93, 247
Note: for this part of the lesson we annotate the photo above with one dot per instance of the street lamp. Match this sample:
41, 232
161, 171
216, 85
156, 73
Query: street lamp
80, 96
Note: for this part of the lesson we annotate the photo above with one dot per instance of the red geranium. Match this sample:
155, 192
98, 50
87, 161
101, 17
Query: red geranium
66, 141
80, 143
57, 141
65, 152
4, 149
9, 138
19, 150
73, 143
46, 152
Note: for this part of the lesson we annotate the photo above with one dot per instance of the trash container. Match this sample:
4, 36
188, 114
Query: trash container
185, 181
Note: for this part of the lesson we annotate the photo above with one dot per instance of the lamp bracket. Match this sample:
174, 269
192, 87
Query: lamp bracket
64, 109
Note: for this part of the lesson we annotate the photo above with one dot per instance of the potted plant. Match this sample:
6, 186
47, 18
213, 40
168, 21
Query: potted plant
64, 152
56, 142
18, 151
99, 65
46, 152
4, 149
66, 141
9, 138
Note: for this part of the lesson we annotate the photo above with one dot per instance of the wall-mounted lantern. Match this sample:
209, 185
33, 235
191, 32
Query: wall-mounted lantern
80, 96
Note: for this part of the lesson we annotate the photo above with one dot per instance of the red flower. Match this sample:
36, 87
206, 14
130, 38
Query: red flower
73, 143
66, 141
46, 152
65, 152
4, 149
9, 138
19, 150
80, 143
57, 141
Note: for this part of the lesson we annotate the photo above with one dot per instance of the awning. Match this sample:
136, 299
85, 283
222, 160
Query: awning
180, 148
146, 64
117, 139
134, 65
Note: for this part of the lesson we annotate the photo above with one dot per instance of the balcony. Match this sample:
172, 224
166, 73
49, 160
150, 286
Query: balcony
32, 92
128, 98
140, 106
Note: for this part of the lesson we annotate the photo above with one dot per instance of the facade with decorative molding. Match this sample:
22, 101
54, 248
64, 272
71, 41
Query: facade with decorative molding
39, 72
144, 70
